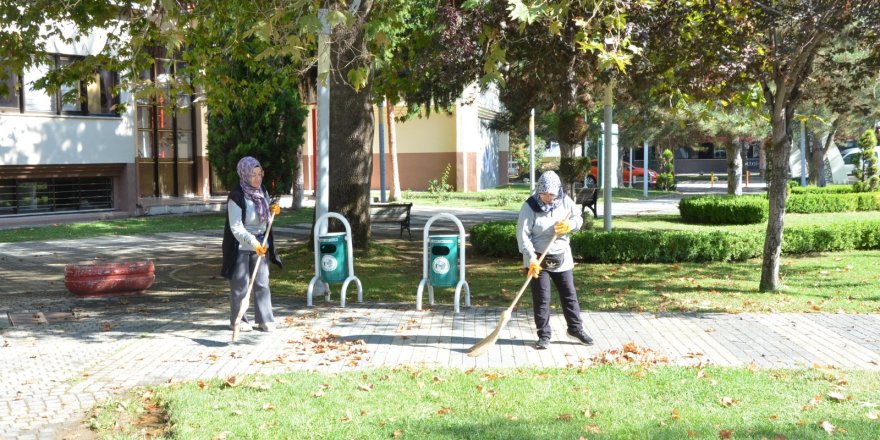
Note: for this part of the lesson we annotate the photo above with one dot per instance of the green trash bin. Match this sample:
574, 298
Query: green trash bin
333, 256
443, 258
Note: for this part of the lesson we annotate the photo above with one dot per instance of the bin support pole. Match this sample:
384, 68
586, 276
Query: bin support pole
317, 278
426, 280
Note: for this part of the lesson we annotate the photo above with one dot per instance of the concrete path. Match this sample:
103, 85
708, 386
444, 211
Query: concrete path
60, 354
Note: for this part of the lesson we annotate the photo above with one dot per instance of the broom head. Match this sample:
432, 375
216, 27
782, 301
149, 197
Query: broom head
480, 348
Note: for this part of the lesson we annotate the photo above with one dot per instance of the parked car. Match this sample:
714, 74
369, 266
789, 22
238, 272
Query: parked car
637, 173
853, 158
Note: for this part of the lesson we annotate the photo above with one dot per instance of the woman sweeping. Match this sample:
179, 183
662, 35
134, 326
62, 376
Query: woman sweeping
247, 219
544, 213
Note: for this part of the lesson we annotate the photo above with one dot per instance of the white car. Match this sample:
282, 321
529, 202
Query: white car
853, 158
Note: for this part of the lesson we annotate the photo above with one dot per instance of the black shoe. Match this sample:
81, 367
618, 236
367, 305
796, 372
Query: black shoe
581, 336
542, 344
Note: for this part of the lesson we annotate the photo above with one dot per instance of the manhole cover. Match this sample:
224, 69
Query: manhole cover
40, 318
22, 319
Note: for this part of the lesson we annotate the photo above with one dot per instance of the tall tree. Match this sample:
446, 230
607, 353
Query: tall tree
711, 49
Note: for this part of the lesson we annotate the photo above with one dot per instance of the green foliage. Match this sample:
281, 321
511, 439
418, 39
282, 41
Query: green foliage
666, 177
520, 153
847, 202
830, 189
498, 239
441, 188
866, 174
573, 169
724, 210
495, 239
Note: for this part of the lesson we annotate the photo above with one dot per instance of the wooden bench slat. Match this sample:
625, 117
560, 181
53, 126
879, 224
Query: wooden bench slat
392, 213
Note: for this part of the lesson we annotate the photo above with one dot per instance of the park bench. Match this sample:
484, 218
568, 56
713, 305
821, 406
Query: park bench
587, 198
392, 213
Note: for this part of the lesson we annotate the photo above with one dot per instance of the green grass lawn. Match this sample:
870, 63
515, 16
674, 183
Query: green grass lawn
594, 402
139, 225
836, 282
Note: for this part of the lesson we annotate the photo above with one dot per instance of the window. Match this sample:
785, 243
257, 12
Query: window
10, 91
91, 96
31, 196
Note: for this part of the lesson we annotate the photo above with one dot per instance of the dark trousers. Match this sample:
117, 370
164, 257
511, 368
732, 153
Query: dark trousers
571, 308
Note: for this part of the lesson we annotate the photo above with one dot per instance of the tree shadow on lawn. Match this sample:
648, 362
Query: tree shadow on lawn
392, 270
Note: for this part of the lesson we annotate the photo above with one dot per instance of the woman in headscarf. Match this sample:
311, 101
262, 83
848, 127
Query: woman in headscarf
543, 214
247, 219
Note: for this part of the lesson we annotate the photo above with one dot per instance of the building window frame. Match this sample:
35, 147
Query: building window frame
95, 96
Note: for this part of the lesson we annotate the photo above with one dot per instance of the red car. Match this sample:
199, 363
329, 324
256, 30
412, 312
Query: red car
637, 173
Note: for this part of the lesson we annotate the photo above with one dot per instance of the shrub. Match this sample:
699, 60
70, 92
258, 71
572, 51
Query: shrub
816, 203
666, 176
495, 239
724, 210
830, 189
441, 188
498, 239
626, 246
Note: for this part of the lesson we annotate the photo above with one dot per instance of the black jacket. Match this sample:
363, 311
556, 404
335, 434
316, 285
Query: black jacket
230, 244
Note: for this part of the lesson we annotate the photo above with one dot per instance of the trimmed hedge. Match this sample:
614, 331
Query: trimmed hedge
830, 189
495, 239
742, 210
724, 209
816, 203
498, 239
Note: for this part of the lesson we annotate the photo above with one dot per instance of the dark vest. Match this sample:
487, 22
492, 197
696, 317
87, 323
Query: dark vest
230, 244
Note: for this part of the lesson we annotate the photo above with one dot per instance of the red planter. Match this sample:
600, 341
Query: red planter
102, 279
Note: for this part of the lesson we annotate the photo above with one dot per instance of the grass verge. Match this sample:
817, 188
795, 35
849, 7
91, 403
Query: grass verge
844, 282
606, 401
139, 225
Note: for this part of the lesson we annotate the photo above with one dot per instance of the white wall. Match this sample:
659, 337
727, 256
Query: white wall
55, 140
49, 139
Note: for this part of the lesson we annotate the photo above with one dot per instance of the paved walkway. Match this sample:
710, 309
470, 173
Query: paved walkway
61, 354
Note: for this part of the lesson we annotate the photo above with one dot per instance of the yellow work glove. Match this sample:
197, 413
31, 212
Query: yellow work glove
534, 268
275, 209
261, 249
562, 228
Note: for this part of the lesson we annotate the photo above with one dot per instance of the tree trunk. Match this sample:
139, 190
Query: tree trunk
392, 151
351, 134
780, 148
819, 146
734, 168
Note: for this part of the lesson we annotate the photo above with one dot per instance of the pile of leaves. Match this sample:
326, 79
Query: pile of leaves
630, 353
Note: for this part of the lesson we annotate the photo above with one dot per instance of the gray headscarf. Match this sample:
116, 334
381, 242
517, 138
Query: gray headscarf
549, 182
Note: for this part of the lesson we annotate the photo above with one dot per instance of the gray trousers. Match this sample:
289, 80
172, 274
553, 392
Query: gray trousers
571, 308
260, 296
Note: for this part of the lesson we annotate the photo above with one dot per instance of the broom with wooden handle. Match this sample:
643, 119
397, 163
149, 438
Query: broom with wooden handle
242, 308
483, 346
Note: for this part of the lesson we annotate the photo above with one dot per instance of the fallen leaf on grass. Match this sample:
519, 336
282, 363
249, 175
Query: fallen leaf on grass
593, 429
873, 415
221, 436
398, 433
565, 417
233, 381
203, 384
725, 434
268, 407
365, 387
837, 397
727, 401
675, 415
827, 426
443, 411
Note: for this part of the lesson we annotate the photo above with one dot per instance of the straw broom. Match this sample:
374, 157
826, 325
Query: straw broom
245, 301
484, 345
